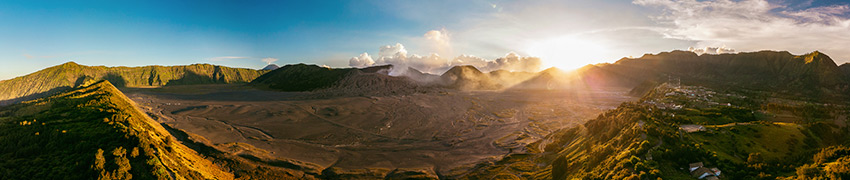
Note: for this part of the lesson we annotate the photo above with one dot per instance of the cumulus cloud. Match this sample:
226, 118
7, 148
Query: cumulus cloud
361, 61
269, 60
712, 50
439, 41
751, 25
392, 50
398, 56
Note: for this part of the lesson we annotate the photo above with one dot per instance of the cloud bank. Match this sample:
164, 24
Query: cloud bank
752, 25
439, 42
398, 56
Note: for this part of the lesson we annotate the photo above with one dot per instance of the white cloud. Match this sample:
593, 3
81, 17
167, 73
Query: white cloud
226, 58
434, 63
269, 60
712, 50
392, 50
438, 36
363, 60
439, 41
751, 25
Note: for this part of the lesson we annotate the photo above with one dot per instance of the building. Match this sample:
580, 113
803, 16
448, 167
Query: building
715, 171
702, 172
695, 166
699, 171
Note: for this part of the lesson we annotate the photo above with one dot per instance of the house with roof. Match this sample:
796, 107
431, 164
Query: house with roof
699, 171
695, 166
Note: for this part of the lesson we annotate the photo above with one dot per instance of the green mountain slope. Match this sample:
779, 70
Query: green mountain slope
845, 70
751, 137
92, 132
68, 75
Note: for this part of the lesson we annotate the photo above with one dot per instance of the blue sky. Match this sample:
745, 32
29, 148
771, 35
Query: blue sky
38, 34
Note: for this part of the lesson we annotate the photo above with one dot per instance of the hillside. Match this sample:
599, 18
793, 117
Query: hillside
468, 78
845, 70
421, 77
588, 77
552, 78
508, 78
69, 75
813, 75
93, 132
744, 135
303, 77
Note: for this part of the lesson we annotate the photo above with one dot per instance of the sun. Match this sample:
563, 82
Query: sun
567, 52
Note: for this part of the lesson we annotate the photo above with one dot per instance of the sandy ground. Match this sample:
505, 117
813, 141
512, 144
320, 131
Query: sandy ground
442, 132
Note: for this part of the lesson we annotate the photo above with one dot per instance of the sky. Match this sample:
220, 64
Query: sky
517, 35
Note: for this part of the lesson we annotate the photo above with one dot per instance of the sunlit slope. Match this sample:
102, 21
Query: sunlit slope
89, 133
642, 140
68, 75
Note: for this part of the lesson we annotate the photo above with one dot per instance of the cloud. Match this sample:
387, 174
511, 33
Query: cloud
392, 50
439, 41
712, 50
434, 63
752, 25
438, 36
226, 58
362, 61
269, 60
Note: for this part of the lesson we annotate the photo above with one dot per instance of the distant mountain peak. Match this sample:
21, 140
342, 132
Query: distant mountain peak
818, 57
464, 69
271, 67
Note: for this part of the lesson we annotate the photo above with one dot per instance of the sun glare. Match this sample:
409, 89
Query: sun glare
566, 52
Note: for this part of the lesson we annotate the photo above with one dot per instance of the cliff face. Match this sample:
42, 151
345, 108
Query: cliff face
68, 75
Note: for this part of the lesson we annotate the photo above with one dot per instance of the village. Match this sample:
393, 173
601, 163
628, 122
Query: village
677, 97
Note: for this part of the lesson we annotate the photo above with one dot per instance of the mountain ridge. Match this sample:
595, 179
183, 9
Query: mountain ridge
71, 74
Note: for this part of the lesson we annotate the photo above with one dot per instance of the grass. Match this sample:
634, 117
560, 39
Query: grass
89, 133
775, 141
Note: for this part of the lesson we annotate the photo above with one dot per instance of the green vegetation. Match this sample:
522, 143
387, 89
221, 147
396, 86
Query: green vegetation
642, 140
92, 132
813, 76
69, 75
830, 163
